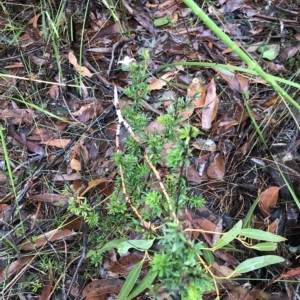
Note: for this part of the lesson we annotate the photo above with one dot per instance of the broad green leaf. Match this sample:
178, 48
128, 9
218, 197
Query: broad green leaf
228, 236
261, 235
258, 262
161, 21
130, 281
144, 284
271, 51
268, 246
208, 256
141, 245
108, 246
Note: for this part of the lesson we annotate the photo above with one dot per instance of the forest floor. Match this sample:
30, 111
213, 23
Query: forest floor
132, 139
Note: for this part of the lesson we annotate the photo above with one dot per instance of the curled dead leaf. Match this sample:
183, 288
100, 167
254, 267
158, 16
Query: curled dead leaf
125, 264
216, 169
18, 116
89, 111
54, 199
83, 71
14, 267
268, 200
58, 143
211, 106
197, 92
49, 236
205, 145
102, 286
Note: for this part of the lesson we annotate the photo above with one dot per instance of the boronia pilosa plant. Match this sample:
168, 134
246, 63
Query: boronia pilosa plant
178, 264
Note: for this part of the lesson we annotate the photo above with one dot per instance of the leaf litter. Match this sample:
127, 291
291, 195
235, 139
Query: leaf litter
73, 147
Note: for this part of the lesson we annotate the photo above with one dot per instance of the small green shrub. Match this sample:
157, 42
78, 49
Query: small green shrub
180, 265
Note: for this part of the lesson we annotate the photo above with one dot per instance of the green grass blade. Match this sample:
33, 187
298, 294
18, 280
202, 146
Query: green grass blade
10, 174
249, 216
143, 285
130, 281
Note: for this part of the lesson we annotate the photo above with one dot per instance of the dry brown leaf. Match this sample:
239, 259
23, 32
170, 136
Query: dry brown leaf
54, 92
211, 106
222, 270
102, 286
273, 227
242, 293
204, 224
216, 169
94, 183
258, 223
67, 177
83, 71
47, 287
228, 124
202, 163
185, 114
3, 177
55, 199
197, 92
268, 200
291, 273
237, 82
40, 134
77, 152
80, 151
15, 65
49, 236
219, 229
59, 143
3, 207
73, 223
205, 145
159, 83
75, 164
125, 264
273, 100
18, 116
193, 175
89, 111
14, 267
34, 20
243, 81
31, 146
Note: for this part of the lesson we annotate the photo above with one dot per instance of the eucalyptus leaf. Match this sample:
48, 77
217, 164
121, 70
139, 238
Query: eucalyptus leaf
229, 236
130, 281
257, 263
261, 235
